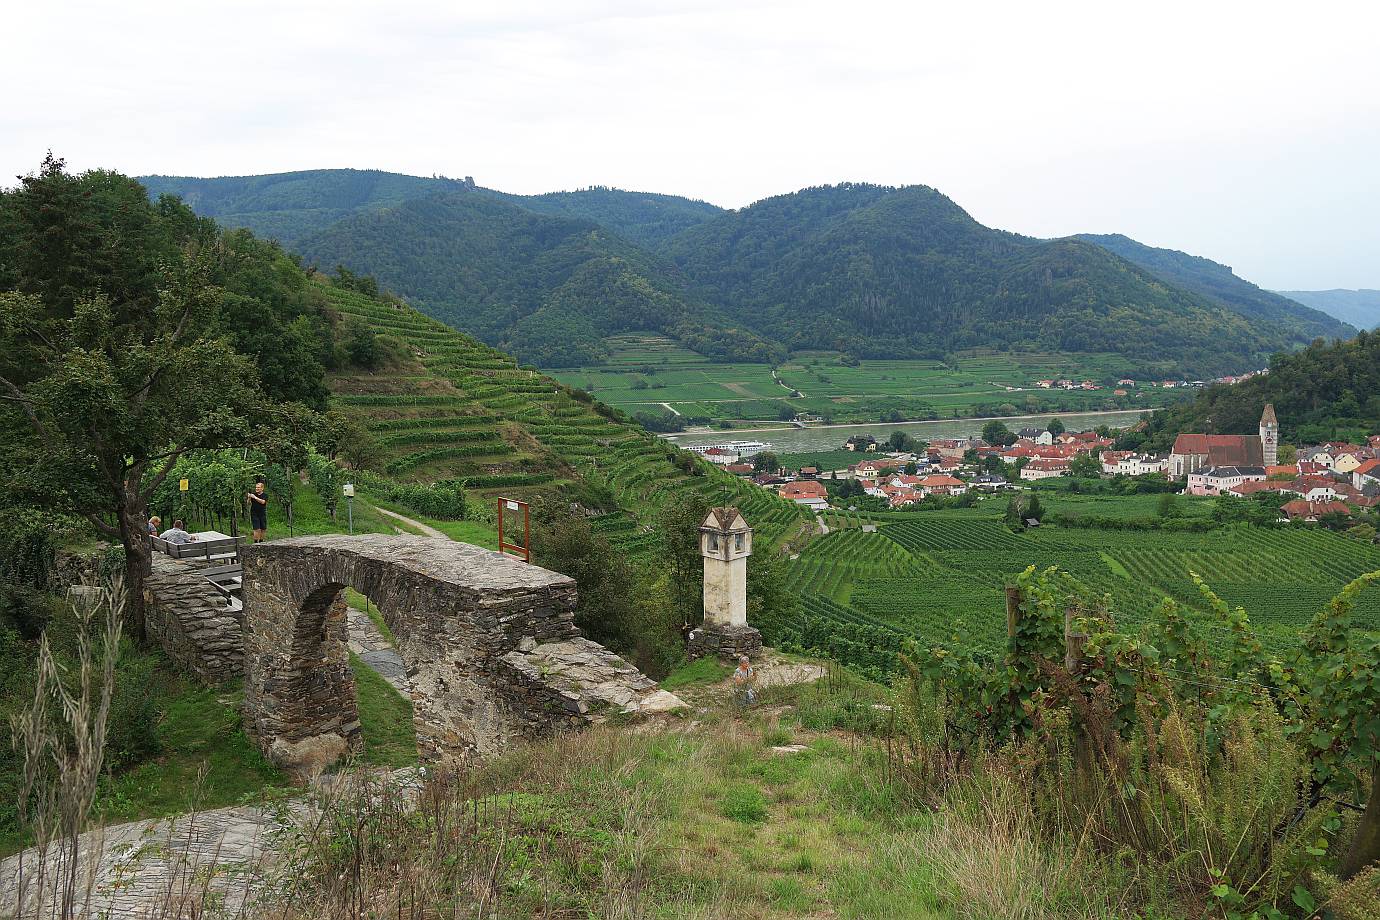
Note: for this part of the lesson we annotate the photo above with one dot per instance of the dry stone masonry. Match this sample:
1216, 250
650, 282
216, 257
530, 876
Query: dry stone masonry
490, 647
190, 619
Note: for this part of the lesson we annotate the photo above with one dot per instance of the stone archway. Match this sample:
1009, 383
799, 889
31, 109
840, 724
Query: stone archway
490, 645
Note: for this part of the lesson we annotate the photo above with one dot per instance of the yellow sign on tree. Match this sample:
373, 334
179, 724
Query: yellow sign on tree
182, 485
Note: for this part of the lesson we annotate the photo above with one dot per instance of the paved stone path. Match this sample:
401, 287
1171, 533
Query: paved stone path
377, 652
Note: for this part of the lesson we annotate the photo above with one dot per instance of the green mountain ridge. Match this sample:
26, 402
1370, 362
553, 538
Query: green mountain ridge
1218, 283
1360, 308
888, 272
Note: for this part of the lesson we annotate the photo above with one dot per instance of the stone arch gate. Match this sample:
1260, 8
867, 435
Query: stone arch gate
491, 648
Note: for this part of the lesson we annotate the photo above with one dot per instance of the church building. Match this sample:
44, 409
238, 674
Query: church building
1195, 452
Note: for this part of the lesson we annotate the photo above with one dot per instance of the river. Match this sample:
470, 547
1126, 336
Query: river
830, 437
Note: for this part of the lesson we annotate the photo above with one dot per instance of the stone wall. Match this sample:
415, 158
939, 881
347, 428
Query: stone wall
189, 618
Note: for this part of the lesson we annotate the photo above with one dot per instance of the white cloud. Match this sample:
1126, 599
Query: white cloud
1246, 132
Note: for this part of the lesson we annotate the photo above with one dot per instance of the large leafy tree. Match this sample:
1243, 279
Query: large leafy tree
114, 361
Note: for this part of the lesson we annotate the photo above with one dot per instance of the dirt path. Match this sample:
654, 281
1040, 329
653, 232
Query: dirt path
424, 529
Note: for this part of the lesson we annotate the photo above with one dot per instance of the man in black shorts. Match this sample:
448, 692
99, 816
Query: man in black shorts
258, 510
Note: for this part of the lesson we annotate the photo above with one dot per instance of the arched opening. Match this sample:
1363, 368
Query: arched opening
383, 690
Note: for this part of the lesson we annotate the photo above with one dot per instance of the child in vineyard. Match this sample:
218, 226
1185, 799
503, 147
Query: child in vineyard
258, 509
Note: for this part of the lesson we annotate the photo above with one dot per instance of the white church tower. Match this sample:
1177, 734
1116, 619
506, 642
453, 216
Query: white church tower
725, 544
1269, 435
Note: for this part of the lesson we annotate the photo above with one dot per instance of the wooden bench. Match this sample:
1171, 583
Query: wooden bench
224, 548
226, 579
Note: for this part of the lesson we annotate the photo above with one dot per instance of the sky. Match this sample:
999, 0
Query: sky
1245, 132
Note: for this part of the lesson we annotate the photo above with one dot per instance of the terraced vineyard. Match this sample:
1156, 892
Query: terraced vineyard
949, 590
459, 409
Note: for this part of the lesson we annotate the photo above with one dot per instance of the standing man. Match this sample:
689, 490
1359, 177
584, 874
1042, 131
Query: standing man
258, 509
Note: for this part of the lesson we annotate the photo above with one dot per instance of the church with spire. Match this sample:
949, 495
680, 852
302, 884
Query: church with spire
1194, 453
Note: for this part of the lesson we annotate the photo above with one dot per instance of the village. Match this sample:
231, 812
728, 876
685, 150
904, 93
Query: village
1335, 478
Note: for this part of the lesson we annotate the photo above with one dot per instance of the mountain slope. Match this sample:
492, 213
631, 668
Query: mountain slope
1360, 308
548, 289
900, 272
292, 206
1221, 285
456, 408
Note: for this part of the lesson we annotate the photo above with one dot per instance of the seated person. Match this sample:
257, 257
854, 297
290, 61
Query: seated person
176, 534
155, 522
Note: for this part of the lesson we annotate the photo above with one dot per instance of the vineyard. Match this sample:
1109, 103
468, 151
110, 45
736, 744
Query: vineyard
940, 578
459, 410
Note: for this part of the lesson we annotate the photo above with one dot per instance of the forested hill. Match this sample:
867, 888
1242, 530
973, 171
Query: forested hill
548, 289
1326, 391
292, 206
870, 270
896, 272
1218, 283
1360, 308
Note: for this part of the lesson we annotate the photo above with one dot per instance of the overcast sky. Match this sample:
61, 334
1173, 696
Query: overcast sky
1245, 132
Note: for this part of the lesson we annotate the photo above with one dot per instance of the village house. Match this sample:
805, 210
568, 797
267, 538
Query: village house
942, 485
1042, 468
953, 448
990, 482
810, 493
739, 469
723, 456
1369, 471
1130, 463
1311, 512
1251, 487
1218, 479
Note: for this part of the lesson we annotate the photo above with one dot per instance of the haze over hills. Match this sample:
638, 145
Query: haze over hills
1219, 283
870, 270
1361, 308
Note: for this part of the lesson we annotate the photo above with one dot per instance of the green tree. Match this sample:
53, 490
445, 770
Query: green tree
1055, 427
678, 534
763, 461
1086, 466
996, 432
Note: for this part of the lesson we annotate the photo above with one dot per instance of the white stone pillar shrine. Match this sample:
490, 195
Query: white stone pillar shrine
725, 544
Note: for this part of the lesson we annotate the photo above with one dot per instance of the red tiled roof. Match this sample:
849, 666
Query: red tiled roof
1222, 449
804, 490
1300, 508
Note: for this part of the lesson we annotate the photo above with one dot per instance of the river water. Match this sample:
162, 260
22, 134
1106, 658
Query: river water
830, 437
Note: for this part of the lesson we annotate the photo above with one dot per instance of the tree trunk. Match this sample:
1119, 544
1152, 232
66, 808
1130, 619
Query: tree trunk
1365, 846
133, 517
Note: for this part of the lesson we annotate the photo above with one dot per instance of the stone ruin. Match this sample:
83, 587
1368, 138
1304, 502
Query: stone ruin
489, 644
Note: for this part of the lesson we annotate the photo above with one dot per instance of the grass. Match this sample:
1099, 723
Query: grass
385, 718
699, 672
205, 761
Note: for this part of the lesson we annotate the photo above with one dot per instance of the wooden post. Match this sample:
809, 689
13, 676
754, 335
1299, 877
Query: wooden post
1013, 610
1074, 641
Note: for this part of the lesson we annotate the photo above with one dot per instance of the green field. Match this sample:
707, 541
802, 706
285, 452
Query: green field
946, 583
652, 375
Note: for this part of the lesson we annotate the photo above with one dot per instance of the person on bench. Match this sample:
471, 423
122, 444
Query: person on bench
155, 522
176, 534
